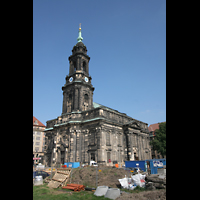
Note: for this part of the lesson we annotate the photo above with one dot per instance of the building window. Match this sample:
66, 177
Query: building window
84, 66
119, 139
74, 66
37, 138
36, 149
108, 156
38, 133
86, 97
36, 122
108, 138
37, 143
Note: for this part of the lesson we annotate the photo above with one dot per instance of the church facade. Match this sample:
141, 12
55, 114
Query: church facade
90, 131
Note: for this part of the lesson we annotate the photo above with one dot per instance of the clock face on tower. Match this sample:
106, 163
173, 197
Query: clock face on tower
70, 79
86, 79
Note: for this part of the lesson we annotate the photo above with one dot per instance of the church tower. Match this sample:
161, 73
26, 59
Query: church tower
78, 90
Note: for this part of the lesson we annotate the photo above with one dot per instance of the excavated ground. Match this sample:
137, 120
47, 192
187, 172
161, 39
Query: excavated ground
109, 176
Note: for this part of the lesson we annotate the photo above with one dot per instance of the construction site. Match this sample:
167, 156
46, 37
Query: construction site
93, 182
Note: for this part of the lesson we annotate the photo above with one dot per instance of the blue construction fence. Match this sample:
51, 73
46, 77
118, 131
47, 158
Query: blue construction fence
72, 164
154, 164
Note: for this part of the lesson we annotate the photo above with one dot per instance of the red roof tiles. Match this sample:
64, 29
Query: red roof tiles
36, 122
153, 127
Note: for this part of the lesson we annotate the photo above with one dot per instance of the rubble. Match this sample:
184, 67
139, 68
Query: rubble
154, 181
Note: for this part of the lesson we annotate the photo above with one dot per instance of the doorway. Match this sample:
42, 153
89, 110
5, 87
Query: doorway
108, 157
92, 156
62, 157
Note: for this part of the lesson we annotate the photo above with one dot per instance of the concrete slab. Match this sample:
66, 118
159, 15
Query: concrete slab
101, 190
112, 193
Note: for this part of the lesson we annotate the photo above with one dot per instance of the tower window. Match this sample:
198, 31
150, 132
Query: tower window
86, 98
86, 102
84, 66
74, 66
70, 97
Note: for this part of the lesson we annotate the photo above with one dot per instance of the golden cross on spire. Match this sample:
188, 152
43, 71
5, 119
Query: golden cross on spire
80, 26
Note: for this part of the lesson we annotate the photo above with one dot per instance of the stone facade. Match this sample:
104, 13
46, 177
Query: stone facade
89, 131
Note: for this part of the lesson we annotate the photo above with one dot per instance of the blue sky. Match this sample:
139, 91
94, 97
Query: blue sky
126, 42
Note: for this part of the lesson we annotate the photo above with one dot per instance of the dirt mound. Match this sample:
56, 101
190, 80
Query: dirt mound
106, 176
109, 176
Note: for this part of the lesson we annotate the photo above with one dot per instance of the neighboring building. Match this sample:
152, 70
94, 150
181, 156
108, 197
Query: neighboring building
90, 131
38, 139
152, 128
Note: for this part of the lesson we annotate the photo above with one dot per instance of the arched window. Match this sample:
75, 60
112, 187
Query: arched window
86, 102
84, 66
86, 98
69, 104
74, 65
70, 97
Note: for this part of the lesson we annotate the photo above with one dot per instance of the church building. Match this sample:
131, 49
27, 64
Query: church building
87, 130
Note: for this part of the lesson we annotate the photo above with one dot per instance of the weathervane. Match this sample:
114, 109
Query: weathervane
79, 39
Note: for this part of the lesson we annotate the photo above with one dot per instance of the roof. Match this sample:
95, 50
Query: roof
36, 122
96, 105
153, 127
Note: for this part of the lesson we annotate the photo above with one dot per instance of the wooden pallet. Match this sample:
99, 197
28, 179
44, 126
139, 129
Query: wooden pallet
60, 178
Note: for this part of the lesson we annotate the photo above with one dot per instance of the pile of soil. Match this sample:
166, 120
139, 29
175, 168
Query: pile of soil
109, 176
106, 176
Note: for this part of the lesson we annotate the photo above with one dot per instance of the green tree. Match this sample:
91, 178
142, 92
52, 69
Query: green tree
159, 141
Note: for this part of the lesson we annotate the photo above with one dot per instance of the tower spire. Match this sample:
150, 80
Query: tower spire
79, 39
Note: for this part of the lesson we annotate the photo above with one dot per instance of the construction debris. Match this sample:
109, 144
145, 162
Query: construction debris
60, 178
131, 183
139, 179
75, 187
112, 193
127, 183
155, 182
101, 190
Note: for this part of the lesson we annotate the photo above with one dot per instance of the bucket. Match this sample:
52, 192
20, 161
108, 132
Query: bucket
38, 180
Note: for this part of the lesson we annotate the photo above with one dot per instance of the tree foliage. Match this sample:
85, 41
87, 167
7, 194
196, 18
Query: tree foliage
159, 141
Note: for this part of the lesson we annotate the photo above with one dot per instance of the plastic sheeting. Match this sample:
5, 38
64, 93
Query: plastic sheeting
127, 183
131, 183
139, 180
